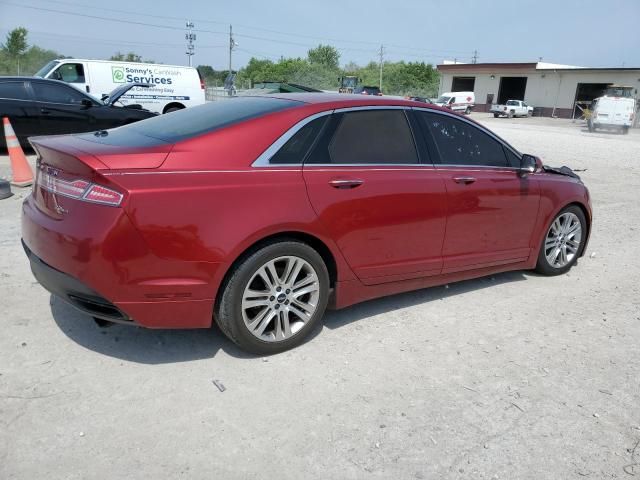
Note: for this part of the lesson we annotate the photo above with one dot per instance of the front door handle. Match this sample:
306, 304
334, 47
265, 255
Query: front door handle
464, 180
346, 182
45, 111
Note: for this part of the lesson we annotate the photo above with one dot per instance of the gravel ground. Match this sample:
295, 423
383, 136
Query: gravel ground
514, 376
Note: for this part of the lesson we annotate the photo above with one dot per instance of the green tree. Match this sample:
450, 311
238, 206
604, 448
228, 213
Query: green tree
129, 57
324, 55
16, 45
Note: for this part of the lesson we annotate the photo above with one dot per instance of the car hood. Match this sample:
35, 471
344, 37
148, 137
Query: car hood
115, 94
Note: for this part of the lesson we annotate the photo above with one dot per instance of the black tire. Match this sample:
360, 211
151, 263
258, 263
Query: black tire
228, 310
590, 126
625, 130
173, 109
510, 114
529, 113
468, 111
496, 115
543, 266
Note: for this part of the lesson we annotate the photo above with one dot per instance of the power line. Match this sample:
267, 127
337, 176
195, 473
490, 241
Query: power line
253, 37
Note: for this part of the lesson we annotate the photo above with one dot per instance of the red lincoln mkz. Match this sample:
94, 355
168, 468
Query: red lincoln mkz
258, 212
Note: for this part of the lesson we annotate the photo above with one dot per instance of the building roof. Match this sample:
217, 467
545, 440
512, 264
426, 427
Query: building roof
449, 66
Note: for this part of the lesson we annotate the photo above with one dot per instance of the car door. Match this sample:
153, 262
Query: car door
383, 207
492, 209
61, 108
17, 104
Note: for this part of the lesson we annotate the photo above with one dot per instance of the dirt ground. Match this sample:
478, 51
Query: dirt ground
514, 376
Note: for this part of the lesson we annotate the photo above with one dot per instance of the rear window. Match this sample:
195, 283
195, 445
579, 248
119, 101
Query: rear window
190, 122
513, 102
13, 90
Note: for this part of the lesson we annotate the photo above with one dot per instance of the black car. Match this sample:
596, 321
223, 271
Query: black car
38, 106
420, 99
367, 90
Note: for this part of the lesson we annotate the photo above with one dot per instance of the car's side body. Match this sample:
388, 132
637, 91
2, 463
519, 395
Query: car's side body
192, 209
38, 106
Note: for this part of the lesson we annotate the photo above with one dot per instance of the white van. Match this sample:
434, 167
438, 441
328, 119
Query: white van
172, 87
457, 101
612, 113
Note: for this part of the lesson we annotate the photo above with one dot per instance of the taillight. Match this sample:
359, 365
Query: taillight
202, 85
79, 190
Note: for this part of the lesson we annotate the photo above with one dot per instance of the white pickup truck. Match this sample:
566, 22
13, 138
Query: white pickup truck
513, 108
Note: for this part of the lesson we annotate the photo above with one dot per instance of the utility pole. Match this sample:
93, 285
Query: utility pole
381, 53
190, 37
475, 57
232, 45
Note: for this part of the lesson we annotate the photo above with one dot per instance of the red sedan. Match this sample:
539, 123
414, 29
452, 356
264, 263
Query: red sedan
259, 212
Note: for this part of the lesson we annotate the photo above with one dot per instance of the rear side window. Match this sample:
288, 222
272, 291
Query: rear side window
460, 143
297, 147
55, 93
370, 137
13, 90
194, 121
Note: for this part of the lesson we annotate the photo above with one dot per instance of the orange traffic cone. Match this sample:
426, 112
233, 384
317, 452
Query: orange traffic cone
20, 168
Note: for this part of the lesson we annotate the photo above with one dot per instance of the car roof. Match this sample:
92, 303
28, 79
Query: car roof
33, 79
343, 100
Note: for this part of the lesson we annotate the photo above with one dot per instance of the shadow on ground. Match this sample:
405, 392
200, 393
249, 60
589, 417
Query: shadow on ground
141, 345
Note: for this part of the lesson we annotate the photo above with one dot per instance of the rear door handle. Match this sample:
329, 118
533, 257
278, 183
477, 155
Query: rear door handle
464, 180
346, 182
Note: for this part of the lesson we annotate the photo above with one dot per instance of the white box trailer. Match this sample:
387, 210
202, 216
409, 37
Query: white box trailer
173, 87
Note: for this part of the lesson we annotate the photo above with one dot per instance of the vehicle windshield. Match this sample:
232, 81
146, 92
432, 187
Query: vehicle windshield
46, 69
443, 99
513, 102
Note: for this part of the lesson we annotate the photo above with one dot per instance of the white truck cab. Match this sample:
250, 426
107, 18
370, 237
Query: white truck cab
172, 87
513, 108
457, 101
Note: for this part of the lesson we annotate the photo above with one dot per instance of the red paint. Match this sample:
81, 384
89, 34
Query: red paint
191, 209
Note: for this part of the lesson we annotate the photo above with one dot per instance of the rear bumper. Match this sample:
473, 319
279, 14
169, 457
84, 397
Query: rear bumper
97, 261
74, 291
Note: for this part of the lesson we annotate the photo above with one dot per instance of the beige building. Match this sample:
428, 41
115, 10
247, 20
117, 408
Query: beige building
553, 90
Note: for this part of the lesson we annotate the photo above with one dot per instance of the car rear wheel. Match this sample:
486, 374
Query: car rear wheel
468, 111
563, 243
274, 298
495, 115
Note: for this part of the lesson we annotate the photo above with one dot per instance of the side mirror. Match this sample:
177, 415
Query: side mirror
86, 103
529, 164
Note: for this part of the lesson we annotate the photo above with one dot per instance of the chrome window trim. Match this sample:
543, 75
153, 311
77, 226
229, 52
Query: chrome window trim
265, 157
480, 127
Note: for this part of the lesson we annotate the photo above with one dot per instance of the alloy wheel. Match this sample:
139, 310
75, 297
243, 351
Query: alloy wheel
563, 240
280, 298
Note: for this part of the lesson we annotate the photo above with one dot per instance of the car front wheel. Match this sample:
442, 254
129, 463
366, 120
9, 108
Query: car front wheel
274, 298
563, 242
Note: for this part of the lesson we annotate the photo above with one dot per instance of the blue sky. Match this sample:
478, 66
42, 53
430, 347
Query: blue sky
587, 33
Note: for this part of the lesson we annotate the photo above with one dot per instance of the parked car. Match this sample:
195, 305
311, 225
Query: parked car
367, 90
462, 102
172, 87
179, 220
419, 99
513, 108
36, 106
612, 113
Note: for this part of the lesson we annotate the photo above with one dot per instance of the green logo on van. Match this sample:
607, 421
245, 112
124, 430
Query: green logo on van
117, 73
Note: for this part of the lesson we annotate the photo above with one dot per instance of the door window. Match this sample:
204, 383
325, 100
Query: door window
70, 73
461, 143
13, 90
51, 93
297, 147
368, 137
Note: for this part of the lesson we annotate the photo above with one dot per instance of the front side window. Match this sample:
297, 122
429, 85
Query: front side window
51, 93
70, 73
13, 91
371, 137
460, 143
